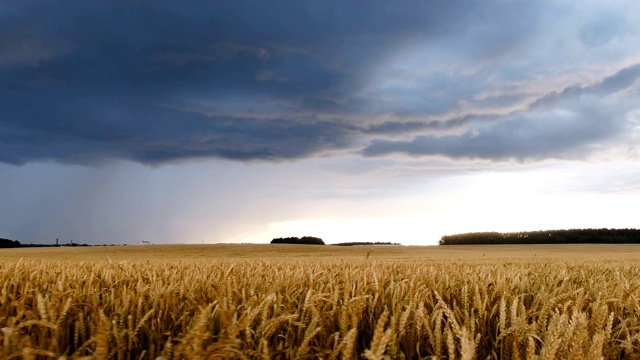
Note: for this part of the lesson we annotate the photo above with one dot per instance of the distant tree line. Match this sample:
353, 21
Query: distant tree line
305, 240
6, 243
365, 243
53, 245
571, 236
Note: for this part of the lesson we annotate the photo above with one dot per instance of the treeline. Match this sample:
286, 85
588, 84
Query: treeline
54, 245
6, 243
571, 236
365, 243
305, 240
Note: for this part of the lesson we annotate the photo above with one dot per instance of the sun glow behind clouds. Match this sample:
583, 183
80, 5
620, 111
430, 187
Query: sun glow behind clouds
233, 203
483, 213
351, 230
552, 197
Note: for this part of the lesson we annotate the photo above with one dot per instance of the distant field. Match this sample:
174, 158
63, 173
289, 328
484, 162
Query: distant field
296, 302
579, 252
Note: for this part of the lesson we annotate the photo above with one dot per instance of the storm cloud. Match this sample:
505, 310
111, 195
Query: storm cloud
87, 82
567, 124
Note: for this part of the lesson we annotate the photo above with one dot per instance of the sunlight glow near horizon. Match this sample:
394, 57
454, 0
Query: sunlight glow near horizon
196, 207
503, 202
502, 214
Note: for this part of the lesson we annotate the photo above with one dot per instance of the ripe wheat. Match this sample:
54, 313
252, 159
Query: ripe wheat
319, 308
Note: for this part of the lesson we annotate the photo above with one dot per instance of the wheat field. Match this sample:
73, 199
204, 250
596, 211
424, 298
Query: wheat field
306, 302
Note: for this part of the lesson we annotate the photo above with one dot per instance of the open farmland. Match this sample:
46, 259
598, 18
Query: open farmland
287, 301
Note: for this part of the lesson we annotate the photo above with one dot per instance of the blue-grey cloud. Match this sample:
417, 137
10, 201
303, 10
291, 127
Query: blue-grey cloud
603, 28
559, 125
619, 81
162, 135
160, 82
404, 127
520, 137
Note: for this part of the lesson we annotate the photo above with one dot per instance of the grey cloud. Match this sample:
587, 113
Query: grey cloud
521, 137
602, 29
89, 82
397, 127
400, 127
619, 81
159, 139
28, 51
554, 98
559, 125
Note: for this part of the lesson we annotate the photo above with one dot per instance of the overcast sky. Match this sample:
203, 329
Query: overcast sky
240, 121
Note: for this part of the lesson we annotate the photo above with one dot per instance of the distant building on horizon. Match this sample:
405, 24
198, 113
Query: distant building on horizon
145, 242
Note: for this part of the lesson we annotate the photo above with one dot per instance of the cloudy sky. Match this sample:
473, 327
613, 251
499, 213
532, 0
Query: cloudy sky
240, 121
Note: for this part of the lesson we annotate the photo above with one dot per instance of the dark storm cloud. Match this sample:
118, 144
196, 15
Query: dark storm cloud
84, 81
159, 138
154, 82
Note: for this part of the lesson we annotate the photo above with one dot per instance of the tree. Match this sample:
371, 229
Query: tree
305, 240
6, 243
571, 236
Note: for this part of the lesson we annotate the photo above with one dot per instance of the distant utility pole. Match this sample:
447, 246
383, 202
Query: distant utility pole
56, 241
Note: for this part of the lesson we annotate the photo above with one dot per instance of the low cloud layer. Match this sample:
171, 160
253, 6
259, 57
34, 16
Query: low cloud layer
157, 83
571, 123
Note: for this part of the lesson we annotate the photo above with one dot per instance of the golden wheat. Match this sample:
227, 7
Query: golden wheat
338, 308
